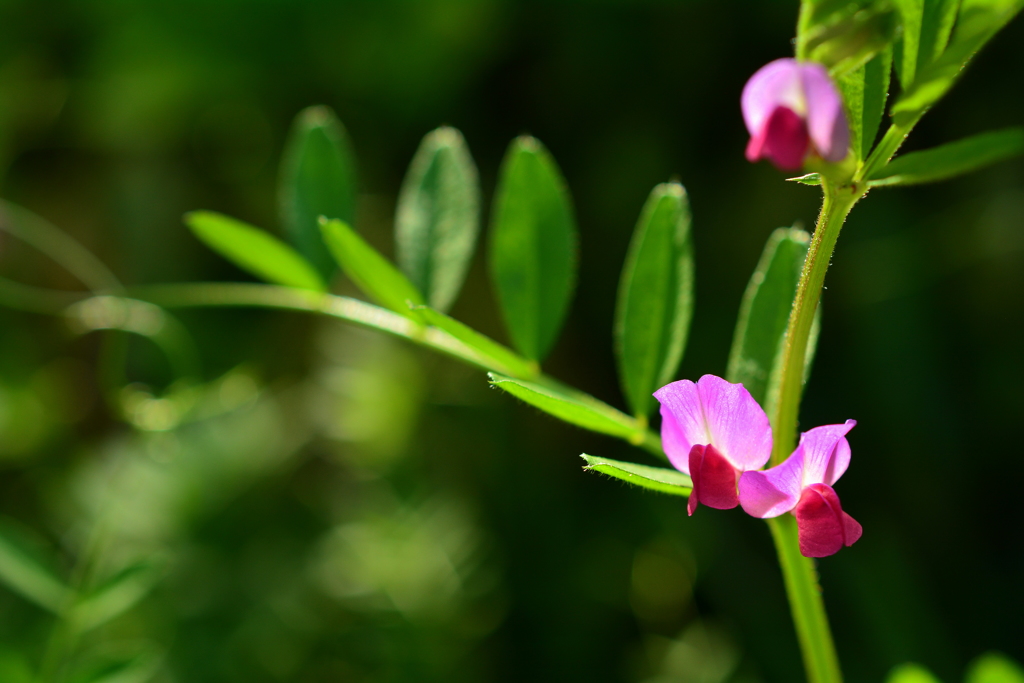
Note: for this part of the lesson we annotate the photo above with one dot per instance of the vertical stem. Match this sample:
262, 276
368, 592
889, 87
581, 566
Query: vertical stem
801, 578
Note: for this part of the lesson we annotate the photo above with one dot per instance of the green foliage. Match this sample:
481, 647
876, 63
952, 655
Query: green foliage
438, 217
659, 479
254, 250
533, 247
951, 159
876, 92
116, 595
937, 22
571, 406
655, 301
844, 34
371, 272
764, 312
318, 178
977, 21
501, 356
911, 673
24, 571
994, 667
136, 666
911, 15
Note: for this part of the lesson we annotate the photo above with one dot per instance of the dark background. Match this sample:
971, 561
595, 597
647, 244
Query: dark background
366, 511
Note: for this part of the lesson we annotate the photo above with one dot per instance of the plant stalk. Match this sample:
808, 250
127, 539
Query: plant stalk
799, 573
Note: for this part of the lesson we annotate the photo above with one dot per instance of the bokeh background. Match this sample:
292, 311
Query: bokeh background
350, 508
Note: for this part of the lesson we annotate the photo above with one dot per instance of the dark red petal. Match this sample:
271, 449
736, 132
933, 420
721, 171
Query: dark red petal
823, 526
714, 479
783, 139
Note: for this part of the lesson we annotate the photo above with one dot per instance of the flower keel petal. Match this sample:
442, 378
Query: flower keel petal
714, 480
823, 526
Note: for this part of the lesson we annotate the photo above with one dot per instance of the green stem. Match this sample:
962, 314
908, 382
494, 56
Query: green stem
802, 589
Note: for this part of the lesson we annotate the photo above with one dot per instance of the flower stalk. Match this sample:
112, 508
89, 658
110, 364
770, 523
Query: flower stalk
799, 573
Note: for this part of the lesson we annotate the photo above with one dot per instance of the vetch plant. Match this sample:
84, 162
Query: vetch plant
819, 111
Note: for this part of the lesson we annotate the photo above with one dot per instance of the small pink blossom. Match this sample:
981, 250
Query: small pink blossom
716, 432
792, 109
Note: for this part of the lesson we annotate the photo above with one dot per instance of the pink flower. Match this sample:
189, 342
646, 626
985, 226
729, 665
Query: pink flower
716, 432
791, 109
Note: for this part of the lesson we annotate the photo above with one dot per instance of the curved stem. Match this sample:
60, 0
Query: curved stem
801, 578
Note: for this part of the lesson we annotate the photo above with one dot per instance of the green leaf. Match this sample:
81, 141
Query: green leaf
911, 16
764, 311
911, 673
936, 26
655, 478
24, 571
254, 250
851, 87
844, 34
371, 272
15, 668
952, 159
115, 596
994, 667
533, 247
318, 178
977, 21
809, 179
655, 301
138, 665
572, 407
876, 90
438, 217
503, 358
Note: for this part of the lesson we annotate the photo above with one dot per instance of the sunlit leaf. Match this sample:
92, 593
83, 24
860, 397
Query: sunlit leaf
851, 87
952, 159
844, 34
994, 667
876, 91
937, 22
977, 21
505, 358
533, 247
318, 178
15, 668
115, 596
764, 311
438, 217
911, 673
809, 179
254, 250
655, 301
23, 570
575, 408
911, 16
659, 479
371, 272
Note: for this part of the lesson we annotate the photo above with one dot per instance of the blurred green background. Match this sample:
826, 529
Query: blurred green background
350, 508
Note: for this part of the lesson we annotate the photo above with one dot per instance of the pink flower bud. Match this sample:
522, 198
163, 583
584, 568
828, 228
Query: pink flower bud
792, 109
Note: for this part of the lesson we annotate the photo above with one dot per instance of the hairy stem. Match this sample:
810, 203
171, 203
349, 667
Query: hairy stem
801, 578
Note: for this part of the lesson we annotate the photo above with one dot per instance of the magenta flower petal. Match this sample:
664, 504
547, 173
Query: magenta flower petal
825, 453
718, 413
777, 83
772, 492
714, 480
826, 120
822, 525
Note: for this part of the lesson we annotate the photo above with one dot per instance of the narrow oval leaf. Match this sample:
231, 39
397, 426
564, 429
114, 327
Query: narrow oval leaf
112, 667
977, 22
877, 73
438, 217
533, 247
575, 408
318, 178
994, 667
936, 26
23, 571
503, 358
654, 478
951, 160
851, 87
764, 311
371, 272
655, 302
911, 16
911, 673
254, 250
